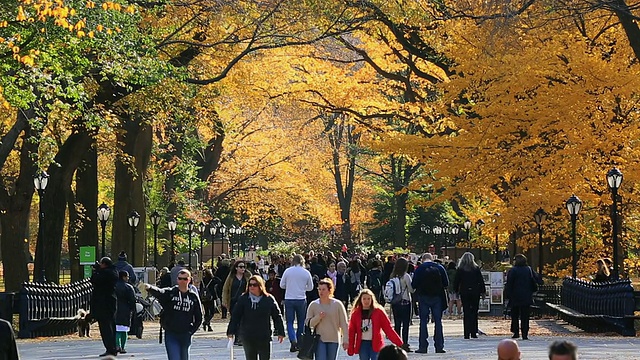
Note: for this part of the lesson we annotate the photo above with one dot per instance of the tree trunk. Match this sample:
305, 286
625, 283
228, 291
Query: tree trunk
14, 216
54, 203
401, 219
131, 168
87, 196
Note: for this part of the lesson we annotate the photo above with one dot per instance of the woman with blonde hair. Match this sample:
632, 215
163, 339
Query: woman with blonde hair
469, 284
368, 322
329, 317
251, 320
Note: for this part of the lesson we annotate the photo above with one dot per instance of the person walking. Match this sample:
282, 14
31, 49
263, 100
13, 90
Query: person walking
342, 289
234, 286
174, 272
329, 317
468, 282
296, 281
430, 281
181, 317
367, 324
103, 302
455, 304
222, 272
603, 274
123, 265
208, 296
251, 320
124, 311
374, 280
519, 289
402, 311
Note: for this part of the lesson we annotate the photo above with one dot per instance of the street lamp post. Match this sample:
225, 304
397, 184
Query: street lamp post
540, 216
573, 206
201, 228
437, 231
479, 225
190, 226
172, 224
223, 231
213, 228
425, 229
40, 181
614, 179
455, 230
467, 226
232, 232
103, 215
240, 231
155, 222
134, 219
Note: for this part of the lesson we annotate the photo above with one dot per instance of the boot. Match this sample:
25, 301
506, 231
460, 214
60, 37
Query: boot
209, 326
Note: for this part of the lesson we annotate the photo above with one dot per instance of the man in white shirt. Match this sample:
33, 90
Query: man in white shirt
296, 281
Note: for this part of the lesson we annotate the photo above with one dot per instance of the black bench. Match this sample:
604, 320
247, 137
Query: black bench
597, 307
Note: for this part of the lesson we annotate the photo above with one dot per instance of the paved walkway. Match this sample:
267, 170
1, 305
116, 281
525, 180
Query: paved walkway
212, 345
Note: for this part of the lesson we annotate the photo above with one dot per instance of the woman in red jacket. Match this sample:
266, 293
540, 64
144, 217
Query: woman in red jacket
368, 321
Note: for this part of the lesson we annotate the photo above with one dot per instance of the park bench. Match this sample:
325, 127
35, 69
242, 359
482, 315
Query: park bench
51, 309
597, 307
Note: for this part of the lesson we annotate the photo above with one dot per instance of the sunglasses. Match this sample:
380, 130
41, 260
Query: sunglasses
183, 279
241, 267
253, 285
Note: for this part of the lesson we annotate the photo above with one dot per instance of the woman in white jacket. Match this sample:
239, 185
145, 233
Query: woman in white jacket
402, 311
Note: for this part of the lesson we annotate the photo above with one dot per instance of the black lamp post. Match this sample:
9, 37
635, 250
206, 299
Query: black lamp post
155, 222
427, 230
467, 226
614, 179
437, 231
103, 215
134, 219
447, 238
172, 224
213, 229
455, 230
240, 231
190, 226
232, 232
573, 206
201, 228
40, 181
223, 230
479, 225
540, 216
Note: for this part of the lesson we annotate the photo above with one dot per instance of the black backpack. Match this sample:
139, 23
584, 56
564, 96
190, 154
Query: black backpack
374, 282
431, 284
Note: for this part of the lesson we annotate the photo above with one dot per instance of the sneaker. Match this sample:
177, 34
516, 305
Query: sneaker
441, 351
406, 347
294, 347
123, 351
421, 351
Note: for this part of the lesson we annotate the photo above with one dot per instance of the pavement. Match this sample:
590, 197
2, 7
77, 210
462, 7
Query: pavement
213, 345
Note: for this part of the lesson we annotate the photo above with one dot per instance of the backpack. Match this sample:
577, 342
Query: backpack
375, 281
391, 293
205, 294
431, 284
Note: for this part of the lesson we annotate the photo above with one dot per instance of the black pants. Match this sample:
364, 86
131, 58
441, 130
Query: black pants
107, 326
208, 307
253, 349
520, 313
470, 304
401, 319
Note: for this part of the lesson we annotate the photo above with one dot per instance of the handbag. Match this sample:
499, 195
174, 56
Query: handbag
534, 281
308, 344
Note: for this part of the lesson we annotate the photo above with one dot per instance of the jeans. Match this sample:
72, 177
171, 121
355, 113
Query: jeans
401, 319
177, 345
470, 303
366, 350
253, 349
293, 309
520, 313
326, 350
430, 304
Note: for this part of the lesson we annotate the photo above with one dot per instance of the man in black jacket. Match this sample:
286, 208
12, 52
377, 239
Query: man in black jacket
103, 302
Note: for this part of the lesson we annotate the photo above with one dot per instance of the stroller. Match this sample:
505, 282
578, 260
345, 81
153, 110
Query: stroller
137, 319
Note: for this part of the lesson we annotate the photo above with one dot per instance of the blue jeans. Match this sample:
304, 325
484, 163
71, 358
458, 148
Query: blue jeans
366, 351
177, 345
430, 304
293, 309
326, 350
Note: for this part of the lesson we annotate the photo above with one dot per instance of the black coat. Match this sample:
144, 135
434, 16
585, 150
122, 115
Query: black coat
126, 303
253, 324
8, 348
103, 297
469, 282
520, 286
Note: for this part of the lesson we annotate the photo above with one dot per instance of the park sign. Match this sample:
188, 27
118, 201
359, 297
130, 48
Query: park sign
87, 255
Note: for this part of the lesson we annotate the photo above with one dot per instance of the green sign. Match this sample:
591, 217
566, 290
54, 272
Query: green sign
87, 255
87, 270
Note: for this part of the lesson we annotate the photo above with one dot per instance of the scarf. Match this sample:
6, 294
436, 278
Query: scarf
333, 276
254, 300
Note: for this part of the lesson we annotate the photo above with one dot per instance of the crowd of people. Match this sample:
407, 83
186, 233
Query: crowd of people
338, 297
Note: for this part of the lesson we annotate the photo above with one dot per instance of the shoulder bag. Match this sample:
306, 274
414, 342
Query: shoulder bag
309, 343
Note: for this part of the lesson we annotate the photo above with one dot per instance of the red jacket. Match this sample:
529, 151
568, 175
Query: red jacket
379, 323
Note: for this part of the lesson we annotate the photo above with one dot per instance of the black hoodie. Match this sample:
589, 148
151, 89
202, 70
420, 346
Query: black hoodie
182, 312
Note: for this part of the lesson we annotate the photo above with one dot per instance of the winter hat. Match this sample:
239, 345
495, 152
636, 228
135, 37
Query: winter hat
122, 256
